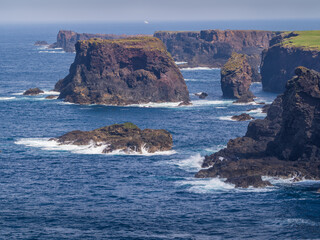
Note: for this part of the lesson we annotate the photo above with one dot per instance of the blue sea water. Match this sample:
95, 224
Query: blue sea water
52, 192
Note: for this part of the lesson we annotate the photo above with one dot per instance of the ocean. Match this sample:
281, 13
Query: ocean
49, 191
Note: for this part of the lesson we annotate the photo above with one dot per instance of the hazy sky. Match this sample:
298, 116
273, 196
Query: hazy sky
154, 10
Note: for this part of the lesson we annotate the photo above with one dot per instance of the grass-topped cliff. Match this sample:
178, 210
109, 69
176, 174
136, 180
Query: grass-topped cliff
146, 43
235, 63
308, 40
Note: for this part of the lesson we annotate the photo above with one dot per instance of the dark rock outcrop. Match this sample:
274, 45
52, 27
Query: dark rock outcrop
280, 61
242, 117
67, 39
51, 97
201, 95
33, 92
41, 43
212, 48
122, 72
126, 137
285, 144
236, 78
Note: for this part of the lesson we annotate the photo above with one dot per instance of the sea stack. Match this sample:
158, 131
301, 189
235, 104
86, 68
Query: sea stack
122, 72
126, 137
285, 144
236, 78
286, 52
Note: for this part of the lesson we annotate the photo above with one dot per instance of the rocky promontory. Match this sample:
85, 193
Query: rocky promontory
122, 72
236, 78
285, 144
286, 52
125, 137
213, 48
67, 39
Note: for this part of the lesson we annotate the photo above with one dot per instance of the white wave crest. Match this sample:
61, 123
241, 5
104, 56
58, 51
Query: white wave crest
179, 63
190, 80
50, 93
51, 51
291, 180
211, 185
198, 68
7, 98
45, 144
226, 118
191, 164
216, 148
197, 103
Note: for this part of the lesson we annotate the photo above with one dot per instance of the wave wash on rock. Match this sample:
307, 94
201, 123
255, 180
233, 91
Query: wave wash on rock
122, 72
285, 144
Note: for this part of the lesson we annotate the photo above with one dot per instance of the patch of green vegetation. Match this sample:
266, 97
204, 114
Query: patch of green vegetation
308, 40
234, 63
130, 125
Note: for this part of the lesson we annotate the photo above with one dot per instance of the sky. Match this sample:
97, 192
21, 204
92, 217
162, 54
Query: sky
13, 11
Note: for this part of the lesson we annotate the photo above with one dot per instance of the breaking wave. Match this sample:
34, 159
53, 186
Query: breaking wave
45, 144
198, 68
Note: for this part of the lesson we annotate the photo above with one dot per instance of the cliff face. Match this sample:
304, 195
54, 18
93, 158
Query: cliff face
236, 77
281, 59
285, 144
213, 48
67, 39
121, 72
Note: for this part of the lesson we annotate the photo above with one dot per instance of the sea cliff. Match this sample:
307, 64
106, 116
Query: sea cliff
121, 72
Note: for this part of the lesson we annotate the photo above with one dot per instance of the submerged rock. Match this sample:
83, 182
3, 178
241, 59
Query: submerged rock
122, 72
236, 78
284, 144
201, 95
126, 137
242, 117
51, 97
33, 92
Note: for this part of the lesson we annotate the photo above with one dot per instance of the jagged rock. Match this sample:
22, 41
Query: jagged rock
201, 95
122, 72
41, 43
242, 117
33, 92
236, 78
285, 144
67, 39
51, 97
126, 137
280, 60
212, 48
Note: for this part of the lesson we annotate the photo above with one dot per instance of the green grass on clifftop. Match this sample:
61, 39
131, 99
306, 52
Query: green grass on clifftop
309, 40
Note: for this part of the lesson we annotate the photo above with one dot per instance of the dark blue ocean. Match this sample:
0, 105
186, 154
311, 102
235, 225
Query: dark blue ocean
63, 192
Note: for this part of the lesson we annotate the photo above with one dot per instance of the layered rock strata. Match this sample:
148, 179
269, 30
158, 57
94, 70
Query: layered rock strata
285, 144
122, 72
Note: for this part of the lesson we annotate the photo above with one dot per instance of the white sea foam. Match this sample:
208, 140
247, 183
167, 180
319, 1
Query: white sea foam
50, 93
179, 63
197, 103
226, 118
191, 80
51, 51
198, 68
211, 185
191, 164
291, 180
215, 148
7, 98
45, 144
257, 112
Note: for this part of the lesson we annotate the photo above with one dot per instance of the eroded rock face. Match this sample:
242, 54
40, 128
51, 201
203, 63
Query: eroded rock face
122, 72
279, 63
67, 39
236, 78
285, 144
213, 48
126, 137
33, 92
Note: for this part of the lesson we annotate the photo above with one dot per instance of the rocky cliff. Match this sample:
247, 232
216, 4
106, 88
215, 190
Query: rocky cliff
122, 72
236, 78
67, 39
288, 51
212, 48
285, 144
125, 137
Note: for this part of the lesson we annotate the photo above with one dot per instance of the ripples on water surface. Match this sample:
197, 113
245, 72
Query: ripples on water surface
56, 193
